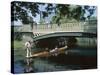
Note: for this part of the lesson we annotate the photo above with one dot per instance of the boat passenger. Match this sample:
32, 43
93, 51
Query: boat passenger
54, 52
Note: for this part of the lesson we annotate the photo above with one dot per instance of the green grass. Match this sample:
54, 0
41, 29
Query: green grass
18, 44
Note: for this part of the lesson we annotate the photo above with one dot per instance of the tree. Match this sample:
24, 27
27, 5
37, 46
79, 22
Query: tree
21, 10
90, 9
70, 12
65, 12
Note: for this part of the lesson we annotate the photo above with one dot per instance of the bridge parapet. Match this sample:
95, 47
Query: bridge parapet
51, 28
88, 26
22, 28
66, 27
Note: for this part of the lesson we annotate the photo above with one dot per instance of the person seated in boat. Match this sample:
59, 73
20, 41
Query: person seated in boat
28, 46
54, 52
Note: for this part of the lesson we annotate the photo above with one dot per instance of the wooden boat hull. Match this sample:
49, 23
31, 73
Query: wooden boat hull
47, 53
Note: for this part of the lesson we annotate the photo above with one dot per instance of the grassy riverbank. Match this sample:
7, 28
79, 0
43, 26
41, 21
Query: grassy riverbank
18, 44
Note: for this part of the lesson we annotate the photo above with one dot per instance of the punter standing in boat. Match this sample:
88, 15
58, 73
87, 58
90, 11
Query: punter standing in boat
28, 46
54, 51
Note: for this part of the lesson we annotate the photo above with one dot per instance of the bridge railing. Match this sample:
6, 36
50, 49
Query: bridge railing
22, 28
66, 27
88, 26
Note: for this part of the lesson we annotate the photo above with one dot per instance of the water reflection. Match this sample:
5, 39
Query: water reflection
77, 58
29, 65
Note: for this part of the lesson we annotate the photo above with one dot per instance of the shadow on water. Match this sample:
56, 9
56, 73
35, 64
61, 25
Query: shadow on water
77, 58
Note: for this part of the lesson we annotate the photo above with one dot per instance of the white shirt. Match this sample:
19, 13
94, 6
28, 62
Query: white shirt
27, 44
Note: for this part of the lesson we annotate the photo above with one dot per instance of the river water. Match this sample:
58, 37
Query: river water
75, 59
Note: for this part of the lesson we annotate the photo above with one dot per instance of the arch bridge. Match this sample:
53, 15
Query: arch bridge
73, 29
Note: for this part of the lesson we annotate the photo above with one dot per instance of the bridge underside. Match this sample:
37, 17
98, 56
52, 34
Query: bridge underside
65, 34
61, 39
